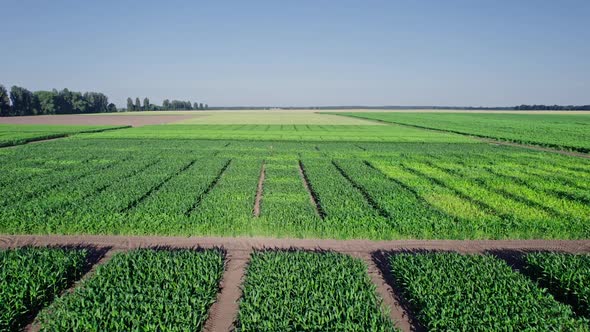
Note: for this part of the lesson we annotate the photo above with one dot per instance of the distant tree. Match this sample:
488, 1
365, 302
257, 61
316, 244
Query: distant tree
146, 104
48, 101
201, 106
111, 108
195, 106
130, 106
206, 106
24, 102
137, 104
166, 104
4, 101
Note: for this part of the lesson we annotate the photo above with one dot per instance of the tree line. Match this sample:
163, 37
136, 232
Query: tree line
552, 108
166, 105
20, 101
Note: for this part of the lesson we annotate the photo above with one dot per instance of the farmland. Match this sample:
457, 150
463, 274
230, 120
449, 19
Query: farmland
186, 280
361, 190
451, 292
363, 226
562, 131
335, 133
329, 292
30, 278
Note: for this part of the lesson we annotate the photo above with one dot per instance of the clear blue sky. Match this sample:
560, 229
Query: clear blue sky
312, 52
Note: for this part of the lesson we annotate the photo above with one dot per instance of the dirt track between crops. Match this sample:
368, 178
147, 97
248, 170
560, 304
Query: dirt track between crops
223, 313
249, 243
95, 120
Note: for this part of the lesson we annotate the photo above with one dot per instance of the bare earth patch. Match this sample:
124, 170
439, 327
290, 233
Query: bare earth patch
102, 120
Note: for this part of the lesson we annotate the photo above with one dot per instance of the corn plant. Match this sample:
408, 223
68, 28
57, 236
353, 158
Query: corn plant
31, 277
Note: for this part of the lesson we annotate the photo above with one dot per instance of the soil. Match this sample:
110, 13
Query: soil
95, 120
397, 313
259, 191
249, 243
223, 313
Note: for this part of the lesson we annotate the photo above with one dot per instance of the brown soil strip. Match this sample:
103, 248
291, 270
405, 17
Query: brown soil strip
101, 257
259, 191
312, 196
224, 311
249, 243
95, 120
397, 313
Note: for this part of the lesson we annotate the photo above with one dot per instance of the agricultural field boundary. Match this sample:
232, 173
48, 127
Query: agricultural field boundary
253, 243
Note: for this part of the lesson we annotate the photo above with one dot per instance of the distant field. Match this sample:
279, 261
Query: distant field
361, 189
571, 131
20, 134
274, 117
383, 133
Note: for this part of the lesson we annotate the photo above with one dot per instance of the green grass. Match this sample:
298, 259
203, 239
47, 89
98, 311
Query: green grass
11, 134
147, 290
336, 133
31, 277
563, 131
567, 276
453, 292
309, 291
363, 190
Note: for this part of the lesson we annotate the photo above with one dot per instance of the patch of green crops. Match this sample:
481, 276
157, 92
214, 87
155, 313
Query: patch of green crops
378, 191
563, 131
454, 292
142, 290
309, 291
31, 277
567, 276
14, 134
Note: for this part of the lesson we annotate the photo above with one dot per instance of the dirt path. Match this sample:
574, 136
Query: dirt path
259, 191
397, 312
249, 243
223, 313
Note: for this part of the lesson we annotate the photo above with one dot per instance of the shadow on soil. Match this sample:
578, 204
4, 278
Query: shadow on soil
381, 260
